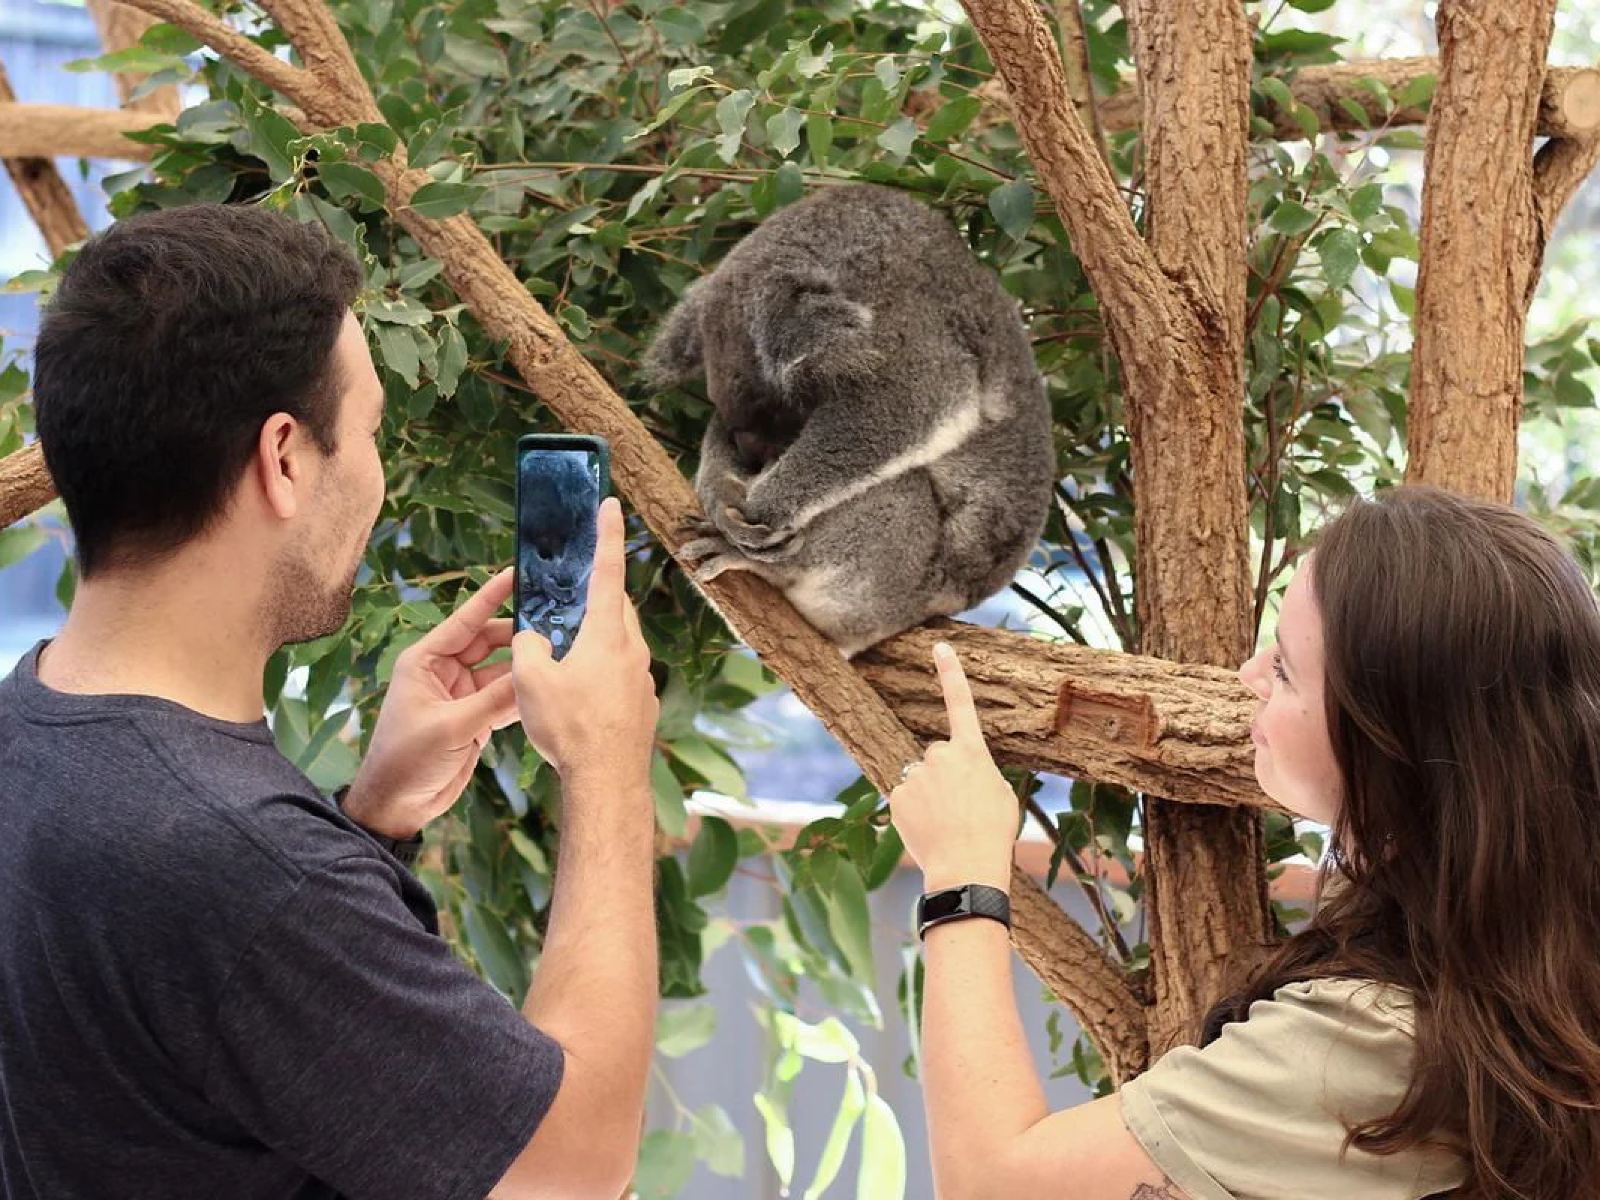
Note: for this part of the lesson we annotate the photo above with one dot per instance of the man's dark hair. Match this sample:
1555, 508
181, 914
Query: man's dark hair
171, 338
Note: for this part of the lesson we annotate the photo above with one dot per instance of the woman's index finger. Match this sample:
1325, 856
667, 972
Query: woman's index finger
958, 703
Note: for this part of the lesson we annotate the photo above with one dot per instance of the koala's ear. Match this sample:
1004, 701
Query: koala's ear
803, 315
676, 353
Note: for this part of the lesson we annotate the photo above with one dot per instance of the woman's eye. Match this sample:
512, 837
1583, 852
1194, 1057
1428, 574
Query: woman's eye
1277, 667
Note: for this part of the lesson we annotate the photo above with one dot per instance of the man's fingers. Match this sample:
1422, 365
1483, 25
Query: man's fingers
456, 632
489, 706
493, 636
529, 648
958, 705
482, 677
605, 595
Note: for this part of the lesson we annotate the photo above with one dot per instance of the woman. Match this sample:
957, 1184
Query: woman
1434, 696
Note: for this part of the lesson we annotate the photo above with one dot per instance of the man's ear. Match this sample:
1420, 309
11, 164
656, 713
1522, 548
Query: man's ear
276, 467
802, 316
675, 355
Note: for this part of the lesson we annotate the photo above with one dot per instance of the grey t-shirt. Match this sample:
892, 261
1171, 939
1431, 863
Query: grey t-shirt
214, 984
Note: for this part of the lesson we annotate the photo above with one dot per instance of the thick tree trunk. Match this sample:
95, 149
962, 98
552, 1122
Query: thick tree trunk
1480, 246
1184, 396
1205, 872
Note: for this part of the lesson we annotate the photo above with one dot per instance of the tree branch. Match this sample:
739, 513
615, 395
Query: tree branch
1120, 267
121, 27
25, 484
1147, 724
44, 193
1569, 102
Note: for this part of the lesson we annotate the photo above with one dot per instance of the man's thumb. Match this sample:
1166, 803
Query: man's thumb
530, 650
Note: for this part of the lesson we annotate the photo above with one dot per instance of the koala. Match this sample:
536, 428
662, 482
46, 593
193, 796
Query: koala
558, 535
881, 445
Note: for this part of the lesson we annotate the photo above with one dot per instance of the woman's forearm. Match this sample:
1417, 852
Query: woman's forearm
980, 1084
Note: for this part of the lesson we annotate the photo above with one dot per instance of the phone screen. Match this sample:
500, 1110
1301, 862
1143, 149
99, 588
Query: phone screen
558, 500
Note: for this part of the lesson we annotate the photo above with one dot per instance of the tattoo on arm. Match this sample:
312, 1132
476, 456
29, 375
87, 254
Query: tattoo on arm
1166, 1190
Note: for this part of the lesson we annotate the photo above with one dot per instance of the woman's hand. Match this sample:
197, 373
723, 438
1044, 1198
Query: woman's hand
955, 812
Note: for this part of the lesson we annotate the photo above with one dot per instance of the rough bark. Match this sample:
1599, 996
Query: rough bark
121, 27
25, 484
1479, 246
1206, 887
1559, 169
44, 193
1075, 67
1170, 729
330, 91
1183, 394
1569, 101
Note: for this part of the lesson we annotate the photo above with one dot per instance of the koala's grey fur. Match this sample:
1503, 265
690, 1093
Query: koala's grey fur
881, 447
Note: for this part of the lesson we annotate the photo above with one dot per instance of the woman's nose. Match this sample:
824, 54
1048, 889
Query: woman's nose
1250, 676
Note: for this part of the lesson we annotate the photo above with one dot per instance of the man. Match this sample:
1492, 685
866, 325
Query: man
215, 981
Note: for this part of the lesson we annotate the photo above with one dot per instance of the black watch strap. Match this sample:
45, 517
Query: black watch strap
959, 903
407, 850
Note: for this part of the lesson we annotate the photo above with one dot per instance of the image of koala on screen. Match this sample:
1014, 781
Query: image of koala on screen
880, 446
559, 495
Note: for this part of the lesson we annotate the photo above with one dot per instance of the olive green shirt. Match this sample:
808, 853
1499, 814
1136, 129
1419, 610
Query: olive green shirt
1261, 1112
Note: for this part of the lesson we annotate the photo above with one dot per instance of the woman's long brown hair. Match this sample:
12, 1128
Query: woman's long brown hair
1462, 689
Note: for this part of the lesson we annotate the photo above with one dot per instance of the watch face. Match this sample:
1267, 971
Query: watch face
944, 904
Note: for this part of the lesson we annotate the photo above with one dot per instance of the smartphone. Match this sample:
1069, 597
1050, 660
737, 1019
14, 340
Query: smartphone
561, 479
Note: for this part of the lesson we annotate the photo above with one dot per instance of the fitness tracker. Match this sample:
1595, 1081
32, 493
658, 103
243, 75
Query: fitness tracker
959, 903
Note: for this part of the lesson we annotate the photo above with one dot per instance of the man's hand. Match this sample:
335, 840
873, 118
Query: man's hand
438, 713
594, 712
955, 812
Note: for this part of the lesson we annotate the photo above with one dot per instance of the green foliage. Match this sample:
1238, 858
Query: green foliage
613, 155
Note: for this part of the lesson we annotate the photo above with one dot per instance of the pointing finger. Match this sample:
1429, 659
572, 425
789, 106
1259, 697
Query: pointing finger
958, 704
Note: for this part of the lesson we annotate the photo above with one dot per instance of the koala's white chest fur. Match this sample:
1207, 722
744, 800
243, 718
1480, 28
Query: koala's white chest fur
822, 595
952, 429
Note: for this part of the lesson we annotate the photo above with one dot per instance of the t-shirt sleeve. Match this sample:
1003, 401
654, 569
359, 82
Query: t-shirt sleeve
1260, 1112
354, 1042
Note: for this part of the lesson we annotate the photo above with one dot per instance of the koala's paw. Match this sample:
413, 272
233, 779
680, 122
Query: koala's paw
762, 542
709, 554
